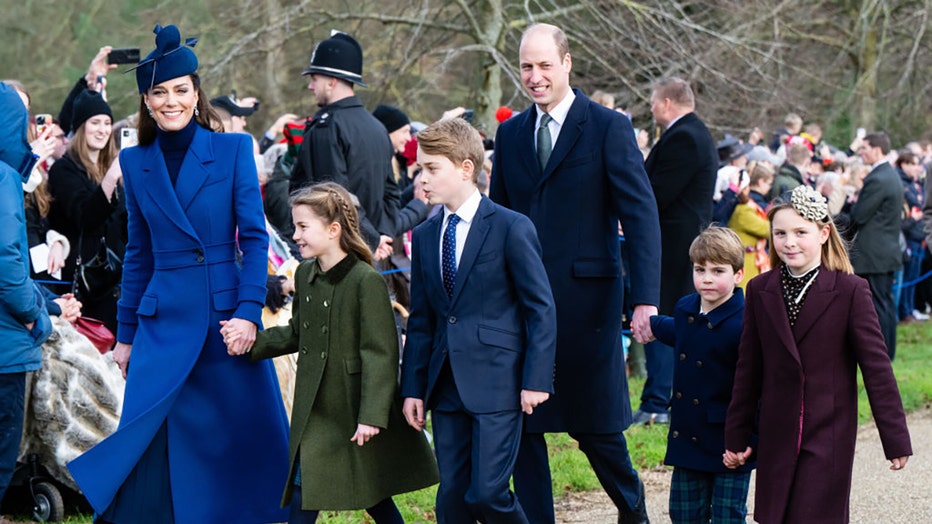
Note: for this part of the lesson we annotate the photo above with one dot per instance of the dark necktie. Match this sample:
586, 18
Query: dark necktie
449, 254
544, 144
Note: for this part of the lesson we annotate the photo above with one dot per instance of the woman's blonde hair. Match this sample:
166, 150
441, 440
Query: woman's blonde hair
834, 250
332, 203
79, 152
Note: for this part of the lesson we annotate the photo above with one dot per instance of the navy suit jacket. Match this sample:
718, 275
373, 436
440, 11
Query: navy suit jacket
594, 178
498, 329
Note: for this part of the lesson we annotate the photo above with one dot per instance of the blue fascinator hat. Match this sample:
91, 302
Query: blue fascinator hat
170, 59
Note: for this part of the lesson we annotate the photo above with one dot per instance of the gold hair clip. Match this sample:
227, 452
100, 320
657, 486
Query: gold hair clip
809, 203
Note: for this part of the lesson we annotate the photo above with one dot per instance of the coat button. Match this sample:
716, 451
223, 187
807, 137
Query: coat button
200, 258
682, 356
324, 329
695, 440
690, 319
676, 434
710, 325
679, 394
307, 298
695, 402
304, 350
699, 364
452, 320
306, 324
326, 304
323, 355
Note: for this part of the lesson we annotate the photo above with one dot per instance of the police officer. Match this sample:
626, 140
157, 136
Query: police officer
343, 142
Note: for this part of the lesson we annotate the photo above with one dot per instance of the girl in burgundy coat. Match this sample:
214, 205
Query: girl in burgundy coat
808, 325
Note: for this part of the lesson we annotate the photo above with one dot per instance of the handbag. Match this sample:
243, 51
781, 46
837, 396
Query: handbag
97, 277
95, 331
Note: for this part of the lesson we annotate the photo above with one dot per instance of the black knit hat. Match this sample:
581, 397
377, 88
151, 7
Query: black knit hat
391, 117
339, 56
88, 104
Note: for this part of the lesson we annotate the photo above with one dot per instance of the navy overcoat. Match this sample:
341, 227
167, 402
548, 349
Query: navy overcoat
226, 425
594, 178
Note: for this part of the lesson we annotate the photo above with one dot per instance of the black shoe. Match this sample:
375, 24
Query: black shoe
647, 418
639, 514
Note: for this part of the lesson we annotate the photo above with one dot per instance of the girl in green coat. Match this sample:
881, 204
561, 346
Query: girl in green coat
349, 446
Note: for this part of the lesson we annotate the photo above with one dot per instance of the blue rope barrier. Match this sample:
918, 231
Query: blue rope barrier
912, 282
53, 282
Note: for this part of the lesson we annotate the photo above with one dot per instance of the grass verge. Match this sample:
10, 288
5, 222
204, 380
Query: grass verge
647, 444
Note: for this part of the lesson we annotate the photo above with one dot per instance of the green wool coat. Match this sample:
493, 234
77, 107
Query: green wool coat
343, 328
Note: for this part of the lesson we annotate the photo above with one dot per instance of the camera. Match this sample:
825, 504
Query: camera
128, 137
468, 115
43, 121
123, 55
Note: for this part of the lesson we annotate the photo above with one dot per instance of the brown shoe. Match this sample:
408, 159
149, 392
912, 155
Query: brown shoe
905, 321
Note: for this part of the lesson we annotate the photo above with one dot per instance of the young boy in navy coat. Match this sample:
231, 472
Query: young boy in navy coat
482, 331
705, 330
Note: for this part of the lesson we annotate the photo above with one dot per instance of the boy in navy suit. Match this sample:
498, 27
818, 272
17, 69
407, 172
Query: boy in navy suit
705, 329
482, 331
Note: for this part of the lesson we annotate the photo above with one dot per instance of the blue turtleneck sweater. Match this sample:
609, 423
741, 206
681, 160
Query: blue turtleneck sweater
174, 145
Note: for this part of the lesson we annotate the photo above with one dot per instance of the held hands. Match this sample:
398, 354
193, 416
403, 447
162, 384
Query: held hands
413, 410
364, 433
733, 460
532, 399
640, 323
238, 334
121, 356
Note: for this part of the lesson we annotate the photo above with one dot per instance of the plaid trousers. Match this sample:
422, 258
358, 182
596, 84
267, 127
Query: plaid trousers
698, 497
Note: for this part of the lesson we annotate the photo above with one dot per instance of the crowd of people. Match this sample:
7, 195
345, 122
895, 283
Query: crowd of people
503, 266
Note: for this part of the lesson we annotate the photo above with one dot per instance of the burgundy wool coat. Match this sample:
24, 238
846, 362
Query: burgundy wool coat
805, 379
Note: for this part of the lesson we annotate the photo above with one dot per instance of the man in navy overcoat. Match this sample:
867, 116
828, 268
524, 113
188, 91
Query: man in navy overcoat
592, 176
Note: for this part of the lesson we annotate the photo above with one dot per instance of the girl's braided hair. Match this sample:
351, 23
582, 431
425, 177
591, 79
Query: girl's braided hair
332, 203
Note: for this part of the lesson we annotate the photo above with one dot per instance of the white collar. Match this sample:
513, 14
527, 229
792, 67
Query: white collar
467, 210
559, 112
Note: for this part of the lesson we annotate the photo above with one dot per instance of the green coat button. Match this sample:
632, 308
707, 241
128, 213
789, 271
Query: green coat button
324, 329
323, 355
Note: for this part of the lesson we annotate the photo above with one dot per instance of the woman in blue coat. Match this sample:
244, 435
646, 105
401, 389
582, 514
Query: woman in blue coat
203, 435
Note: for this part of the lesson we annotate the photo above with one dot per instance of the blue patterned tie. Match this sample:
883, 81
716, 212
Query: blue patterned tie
449, 254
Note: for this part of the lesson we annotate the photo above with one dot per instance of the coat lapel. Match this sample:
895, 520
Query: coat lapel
194, 169
478, 230
820, 295
158, 185
570, 132
431, 255
527, 135
771, 299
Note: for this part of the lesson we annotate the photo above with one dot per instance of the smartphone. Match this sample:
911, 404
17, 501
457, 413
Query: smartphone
43, 121
468, 115
128, 137
123, 55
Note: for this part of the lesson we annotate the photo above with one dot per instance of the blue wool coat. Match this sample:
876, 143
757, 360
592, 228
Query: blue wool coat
227, 429
703, 375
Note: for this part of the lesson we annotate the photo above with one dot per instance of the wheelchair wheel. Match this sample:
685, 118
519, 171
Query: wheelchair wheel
47, 503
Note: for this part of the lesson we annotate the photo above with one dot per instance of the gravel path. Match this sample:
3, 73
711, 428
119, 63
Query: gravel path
878, 495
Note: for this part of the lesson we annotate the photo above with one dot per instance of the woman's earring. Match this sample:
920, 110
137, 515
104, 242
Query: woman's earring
197, 112
149, 109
